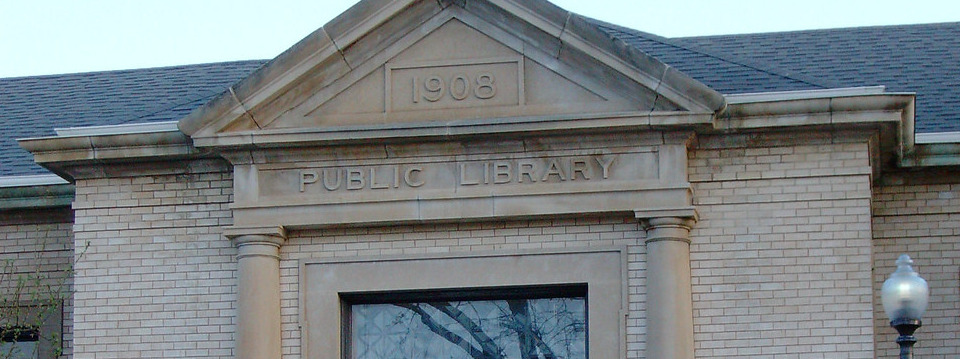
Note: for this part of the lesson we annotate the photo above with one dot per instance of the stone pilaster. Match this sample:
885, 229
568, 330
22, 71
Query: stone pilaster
258, 292
669, 299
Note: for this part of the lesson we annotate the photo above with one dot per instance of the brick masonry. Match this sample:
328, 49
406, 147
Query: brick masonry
40, 254
781, 255
922, 219
158, 280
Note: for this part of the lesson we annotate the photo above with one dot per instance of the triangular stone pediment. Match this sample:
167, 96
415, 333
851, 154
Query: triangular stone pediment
430, 62
455, 73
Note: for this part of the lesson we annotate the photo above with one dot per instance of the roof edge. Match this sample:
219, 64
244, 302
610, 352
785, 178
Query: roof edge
672, 83
294, 62
60, 154
736, 99
117, 129
938, 137
31, 181
36, 196
891, 114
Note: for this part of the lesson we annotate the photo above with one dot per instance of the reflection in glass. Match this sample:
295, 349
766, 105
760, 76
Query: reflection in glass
19, 350
19, 342
551, 328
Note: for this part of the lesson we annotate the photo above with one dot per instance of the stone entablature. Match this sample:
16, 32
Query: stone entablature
468, 180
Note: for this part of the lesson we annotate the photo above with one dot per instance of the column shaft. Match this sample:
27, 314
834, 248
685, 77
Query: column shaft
258, 297
669, 305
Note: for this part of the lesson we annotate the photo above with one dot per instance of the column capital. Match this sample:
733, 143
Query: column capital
668, 228
645, 215
685, 222
257, 242
256, 235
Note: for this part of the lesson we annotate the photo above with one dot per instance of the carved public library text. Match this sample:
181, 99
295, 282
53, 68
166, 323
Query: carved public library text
468, 173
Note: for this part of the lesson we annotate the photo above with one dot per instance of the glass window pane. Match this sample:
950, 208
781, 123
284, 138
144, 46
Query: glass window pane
19, 350
497, 329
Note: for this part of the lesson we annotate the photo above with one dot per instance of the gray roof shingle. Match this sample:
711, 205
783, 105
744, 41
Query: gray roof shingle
34, 106
723, 73
924, 59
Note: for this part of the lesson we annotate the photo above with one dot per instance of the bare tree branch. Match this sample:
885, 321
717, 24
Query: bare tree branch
521, 324
444, 333
490, 348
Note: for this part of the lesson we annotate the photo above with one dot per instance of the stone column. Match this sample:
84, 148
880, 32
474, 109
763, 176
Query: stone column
258, 293
669, 298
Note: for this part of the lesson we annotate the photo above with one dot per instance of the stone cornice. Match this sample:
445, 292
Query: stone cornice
456, 130
61, 154
890, 114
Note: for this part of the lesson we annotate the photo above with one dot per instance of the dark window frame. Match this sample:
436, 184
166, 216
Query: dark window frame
48, 334
348, 300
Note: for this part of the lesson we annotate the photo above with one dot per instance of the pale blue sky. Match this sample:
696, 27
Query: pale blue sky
40, 37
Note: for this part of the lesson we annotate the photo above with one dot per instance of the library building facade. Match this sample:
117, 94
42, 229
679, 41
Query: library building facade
479, 179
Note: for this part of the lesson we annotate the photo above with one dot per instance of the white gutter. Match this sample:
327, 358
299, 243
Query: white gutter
117, 129
803, 95
30, 181
938, 137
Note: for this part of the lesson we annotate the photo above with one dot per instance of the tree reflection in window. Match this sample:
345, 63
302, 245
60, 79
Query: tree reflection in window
19, 342
548, 328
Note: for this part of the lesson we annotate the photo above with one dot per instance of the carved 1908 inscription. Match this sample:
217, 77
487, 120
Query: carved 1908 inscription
454, 84
460, 87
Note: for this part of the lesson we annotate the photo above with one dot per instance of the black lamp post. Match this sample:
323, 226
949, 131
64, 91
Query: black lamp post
905, 296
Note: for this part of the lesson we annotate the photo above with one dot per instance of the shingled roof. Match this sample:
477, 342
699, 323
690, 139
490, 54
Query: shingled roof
924, 59
912, 58
724, 73
34, 106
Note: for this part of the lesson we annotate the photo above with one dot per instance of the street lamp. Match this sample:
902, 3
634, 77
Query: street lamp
905, 297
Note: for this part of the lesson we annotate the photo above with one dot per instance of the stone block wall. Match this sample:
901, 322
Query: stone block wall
36, 247
158, 279
916, 215
509, 236
781, 257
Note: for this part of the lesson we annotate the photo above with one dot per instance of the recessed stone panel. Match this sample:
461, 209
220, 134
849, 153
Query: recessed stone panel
454, 84
572, 171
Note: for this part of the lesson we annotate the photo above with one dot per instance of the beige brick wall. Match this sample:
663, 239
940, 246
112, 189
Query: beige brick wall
158, 279
781, 257
37, 247
921, 218
469, 237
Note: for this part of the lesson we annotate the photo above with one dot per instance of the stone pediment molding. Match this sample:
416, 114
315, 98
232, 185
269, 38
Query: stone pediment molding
403, 63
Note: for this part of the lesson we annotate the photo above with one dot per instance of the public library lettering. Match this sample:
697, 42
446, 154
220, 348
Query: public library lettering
473, 173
